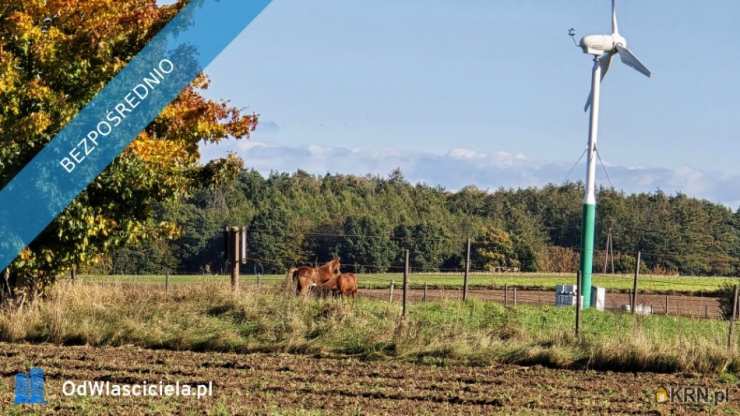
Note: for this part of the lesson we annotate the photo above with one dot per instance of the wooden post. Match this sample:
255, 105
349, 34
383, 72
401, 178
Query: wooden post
235, 257
578, 304
634, 284
73, 272
467, 270
166, 284
506, 295
733, 318
514, 295
606, 250
424, 299
611, 250
706, 311
390, 296
405, 283
666, 304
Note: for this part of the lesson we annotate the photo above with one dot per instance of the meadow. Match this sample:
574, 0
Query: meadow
207, 317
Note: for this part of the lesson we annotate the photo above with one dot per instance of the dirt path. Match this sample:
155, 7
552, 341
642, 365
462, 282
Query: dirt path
292, 384
695, 306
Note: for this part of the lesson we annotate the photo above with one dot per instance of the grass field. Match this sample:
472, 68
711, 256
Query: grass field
619, 283
207, 317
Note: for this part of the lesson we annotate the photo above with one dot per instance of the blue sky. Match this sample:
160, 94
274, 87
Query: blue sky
489, 93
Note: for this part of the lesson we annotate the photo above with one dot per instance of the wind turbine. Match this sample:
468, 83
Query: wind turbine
603, 48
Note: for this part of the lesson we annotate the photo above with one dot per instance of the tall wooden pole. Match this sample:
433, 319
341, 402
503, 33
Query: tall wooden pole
467, 270
634, 284
611, 249
235, 254
606, 250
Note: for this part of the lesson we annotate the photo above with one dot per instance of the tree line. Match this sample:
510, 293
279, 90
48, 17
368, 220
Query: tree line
370, 221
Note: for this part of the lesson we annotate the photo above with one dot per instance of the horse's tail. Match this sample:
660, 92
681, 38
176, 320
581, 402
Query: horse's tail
291, 284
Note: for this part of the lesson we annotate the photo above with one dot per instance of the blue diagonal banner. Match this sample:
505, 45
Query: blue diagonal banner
125, 107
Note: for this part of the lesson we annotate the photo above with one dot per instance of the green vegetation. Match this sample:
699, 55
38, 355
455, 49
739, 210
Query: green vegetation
545, 281
369, 222
206, 317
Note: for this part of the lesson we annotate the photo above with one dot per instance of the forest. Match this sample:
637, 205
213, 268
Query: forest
370, 221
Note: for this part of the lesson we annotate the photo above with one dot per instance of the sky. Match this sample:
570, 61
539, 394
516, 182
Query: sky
488, 93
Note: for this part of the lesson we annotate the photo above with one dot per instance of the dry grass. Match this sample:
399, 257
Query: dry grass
206, 317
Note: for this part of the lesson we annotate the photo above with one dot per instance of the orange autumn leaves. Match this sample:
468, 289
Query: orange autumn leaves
55, 55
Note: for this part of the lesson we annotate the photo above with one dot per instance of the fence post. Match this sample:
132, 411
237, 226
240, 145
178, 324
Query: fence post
733, 318
578, 304
405, 283
467, 270
390, 297
506, 295
166, 284
73, 272
706, 311
634, 284
424, 299
514, 295
235, 259
666, 304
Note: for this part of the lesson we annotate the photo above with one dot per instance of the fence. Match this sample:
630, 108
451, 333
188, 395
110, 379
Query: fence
464, 283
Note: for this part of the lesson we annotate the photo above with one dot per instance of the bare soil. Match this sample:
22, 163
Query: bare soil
295, 384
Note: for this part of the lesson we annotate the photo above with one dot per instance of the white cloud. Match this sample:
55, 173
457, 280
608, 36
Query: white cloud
461, 167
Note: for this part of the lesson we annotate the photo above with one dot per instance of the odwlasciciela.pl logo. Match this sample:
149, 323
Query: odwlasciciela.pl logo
29, 387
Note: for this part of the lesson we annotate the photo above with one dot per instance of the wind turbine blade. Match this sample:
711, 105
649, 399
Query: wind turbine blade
604, 62
615, 25
631, 60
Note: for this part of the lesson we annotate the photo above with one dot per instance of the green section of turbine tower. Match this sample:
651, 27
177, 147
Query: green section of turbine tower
587, 252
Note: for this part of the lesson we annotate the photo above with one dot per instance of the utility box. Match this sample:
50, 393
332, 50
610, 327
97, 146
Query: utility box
640, 309
565, 295
598, 298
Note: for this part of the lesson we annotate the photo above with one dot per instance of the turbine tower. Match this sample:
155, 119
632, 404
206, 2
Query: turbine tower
603, 48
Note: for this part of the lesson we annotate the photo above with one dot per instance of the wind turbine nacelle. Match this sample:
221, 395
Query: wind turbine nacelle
600, 44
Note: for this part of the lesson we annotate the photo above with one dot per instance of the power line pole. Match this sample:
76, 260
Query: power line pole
606, 249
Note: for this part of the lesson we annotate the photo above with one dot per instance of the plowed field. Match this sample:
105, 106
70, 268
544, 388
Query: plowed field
295, 384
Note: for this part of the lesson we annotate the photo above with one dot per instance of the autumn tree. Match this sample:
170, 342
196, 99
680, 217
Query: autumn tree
494, 250
55, 55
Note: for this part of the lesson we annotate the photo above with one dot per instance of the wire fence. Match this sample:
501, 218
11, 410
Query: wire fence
506, 288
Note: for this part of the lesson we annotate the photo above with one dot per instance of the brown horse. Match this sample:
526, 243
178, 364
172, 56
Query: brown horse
343, 285
347, 284
304, 277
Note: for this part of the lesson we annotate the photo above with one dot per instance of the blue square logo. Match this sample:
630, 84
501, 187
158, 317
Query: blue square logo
29, 387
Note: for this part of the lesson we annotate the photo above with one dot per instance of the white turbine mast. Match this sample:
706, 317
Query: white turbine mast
603, 48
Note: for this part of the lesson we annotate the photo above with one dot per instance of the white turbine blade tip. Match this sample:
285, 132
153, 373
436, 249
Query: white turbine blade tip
629, 59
